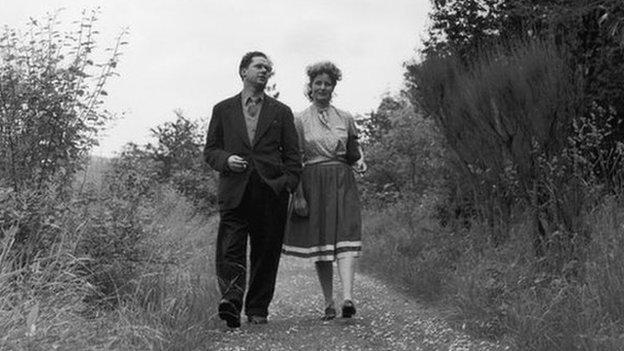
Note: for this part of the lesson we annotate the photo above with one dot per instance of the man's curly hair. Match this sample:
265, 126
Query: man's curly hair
315, 69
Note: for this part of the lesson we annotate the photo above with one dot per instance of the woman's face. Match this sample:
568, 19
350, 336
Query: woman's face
322, 88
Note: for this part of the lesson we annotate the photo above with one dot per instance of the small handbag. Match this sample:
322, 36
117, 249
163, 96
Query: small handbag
353, 150
300, 206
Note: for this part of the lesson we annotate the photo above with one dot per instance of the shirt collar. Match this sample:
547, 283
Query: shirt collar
246, 95
322, 109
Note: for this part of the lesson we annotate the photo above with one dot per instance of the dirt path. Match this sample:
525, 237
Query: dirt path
386, 320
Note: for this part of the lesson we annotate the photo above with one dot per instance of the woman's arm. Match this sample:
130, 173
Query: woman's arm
360, 166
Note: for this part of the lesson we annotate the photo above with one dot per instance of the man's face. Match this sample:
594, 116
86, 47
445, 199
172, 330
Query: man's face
258, 71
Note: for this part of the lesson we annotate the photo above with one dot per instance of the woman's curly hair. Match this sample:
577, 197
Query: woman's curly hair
315, 69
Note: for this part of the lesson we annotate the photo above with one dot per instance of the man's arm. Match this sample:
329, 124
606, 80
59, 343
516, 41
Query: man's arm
291, 155
214, 154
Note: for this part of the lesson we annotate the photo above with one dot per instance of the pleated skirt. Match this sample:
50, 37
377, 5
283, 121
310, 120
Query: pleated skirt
333, 228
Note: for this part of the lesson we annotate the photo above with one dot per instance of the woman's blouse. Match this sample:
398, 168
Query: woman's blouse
325, 133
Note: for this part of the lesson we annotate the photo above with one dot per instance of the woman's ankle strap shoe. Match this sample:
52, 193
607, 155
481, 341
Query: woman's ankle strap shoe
348, 309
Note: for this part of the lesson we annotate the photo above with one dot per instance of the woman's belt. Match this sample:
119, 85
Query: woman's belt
330, 161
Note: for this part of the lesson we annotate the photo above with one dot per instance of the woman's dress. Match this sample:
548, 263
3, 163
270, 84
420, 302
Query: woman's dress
333, 228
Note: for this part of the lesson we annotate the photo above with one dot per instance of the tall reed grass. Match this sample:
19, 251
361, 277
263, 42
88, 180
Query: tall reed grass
502, 291
403, 245
177, 293
162, 280
42, 298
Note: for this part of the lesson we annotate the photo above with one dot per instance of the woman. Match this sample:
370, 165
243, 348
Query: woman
326, 225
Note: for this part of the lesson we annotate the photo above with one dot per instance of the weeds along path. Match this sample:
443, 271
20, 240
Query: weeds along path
385, 320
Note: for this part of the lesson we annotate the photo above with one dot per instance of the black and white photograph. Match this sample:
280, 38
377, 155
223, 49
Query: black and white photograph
204, 175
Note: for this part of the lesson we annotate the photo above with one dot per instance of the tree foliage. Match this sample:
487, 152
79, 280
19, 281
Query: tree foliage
528, 96
592, 31
379, 122
177, 145
403, 150
463, 27
51, 106
176, 157
51, 111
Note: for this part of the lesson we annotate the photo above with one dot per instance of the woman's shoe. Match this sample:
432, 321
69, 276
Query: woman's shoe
330, 313
348, 309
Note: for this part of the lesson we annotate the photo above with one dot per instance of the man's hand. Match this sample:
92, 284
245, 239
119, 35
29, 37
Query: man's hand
236, 163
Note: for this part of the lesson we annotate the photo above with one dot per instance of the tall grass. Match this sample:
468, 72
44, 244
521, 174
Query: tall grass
154, 261
176, 293
570, 312
403, 245
173, 299
502, 291
42, 299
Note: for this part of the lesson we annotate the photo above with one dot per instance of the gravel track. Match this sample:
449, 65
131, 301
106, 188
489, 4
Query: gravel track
386, 320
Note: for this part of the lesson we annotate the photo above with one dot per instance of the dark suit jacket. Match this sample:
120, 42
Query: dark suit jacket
274, 154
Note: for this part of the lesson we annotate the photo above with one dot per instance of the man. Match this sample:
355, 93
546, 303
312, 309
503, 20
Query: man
252, 143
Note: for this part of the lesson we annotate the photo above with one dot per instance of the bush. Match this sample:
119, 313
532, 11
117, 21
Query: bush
107, 242
177, 159
51, 100
404, 153
521, 138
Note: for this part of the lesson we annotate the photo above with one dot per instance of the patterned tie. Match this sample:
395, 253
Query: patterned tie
324, 117
253, 106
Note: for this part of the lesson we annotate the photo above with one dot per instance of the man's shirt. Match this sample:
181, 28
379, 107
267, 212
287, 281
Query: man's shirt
251, 109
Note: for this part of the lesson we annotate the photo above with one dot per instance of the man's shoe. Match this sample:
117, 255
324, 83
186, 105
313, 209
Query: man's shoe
257, 320
348, 309
330, 313
229, 313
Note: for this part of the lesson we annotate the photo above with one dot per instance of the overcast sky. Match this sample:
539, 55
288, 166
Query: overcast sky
185, 53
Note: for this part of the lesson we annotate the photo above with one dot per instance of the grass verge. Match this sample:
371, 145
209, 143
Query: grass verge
503, 292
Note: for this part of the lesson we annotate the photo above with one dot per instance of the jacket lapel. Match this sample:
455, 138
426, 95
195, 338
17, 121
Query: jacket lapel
238, 119
265, 119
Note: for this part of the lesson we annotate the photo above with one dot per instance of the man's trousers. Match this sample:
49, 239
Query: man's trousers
261, 216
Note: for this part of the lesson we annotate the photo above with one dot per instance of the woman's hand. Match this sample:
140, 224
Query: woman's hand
360, 166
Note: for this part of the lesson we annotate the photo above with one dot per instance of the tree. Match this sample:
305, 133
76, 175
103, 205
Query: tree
178, 145
378, 122
176, 158
404, 152
591, 31
272, 91
463, 27
474, 44
51, 106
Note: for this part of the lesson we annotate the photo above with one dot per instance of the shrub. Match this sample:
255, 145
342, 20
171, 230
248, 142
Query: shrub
514, 120
404, 153
51, 97
176, 158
